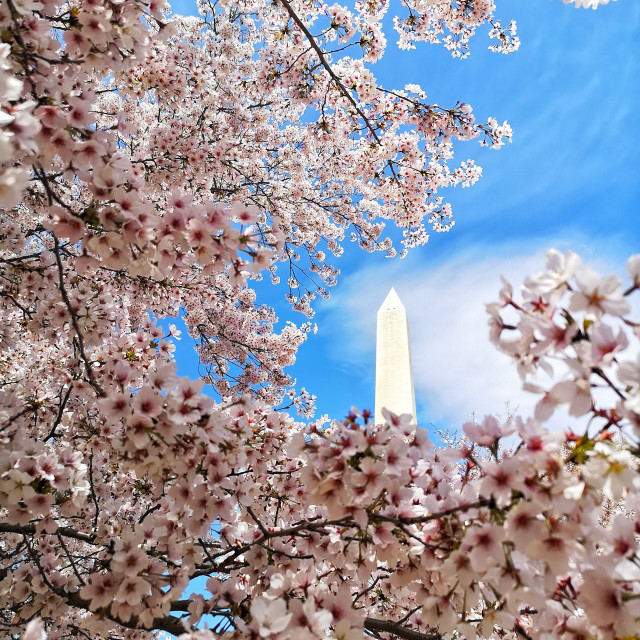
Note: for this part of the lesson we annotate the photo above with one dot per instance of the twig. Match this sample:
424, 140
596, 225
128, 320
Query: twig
396, 629
432, 516
61, 409
74, 320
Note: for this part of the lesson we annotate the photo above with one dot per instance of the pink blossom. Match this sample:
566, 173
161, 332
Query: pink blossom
604, 344
613, 472
633, 269
148, 402
129, 596
604, 599
525, 524
79, 112
307, 617
100, 591
575, 393
12, 184
34, 630
500, 480
488, 432
27, 6
554, 550
629, 373
597, 296
560, 269
270, 616
484, 546
344, 630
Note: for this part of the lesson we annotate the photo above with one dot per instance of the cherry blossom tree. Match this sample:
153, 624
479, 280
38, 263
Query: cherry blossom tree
152, 166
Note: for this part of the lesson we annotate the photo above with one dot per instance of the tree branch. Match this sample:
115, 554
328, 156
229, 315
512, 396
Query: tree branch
484, 502
170, 624
30, 529
323, 61
396, 629
345, 92
61, 408
74, 321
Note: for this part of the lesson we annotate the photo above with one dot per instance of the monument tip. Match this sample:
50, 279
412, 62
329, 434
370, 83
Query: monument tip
392, 302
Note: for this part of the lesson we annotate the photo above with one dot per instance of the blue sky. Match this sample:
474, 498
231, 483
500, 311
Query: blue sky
569, 180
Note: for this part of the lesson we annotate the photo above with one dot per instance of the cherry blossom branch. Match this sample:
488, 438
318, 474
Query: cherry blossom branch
392, 627
10, 260
61, 408
30, 529
12, 419
228, 555
371, 624
345, 92
94, 497
368, 589
309, 525
74, 320
71, 561
601, 374
484, 502
170, 624
24, 310
411, 612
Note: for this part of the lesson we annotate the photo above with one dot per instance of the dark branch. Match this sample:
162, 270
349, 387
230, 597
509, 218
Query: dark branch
30, 529
396, 629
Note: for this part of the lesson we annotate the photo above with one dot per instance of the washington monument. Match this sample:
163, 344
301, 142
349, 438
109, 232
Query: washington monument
394, 375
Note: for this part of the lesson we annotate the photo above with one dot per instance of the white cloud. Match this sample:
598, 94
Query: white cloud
456, 369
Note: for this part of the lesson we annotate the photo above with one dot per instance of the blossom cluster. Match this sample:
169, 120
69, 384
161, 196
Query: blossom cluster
576, 324
18, 129
453, 24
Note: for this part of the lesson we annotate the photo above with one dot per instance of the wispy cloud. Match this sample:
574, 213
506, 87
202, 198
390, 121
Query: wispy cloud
456, 369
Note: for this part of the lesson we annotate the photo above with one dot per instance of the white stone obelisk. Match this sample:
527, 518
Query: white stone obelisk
394, 375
